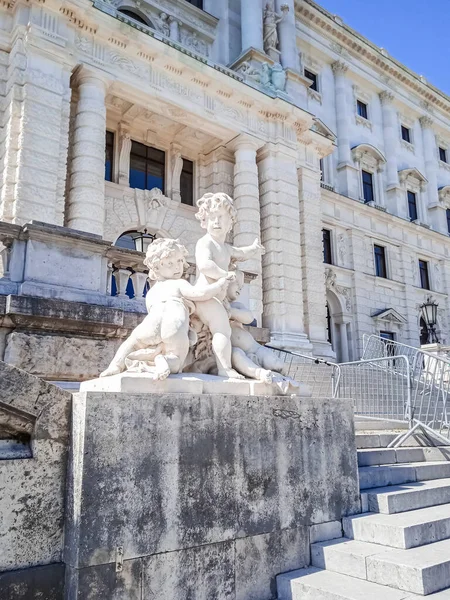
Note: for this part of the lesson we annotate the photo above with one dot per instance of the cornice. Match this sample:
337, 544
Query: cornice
313, 15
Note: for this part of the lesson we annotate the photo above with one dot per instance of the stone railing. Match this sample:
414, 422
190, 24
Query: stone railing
43, 260
176, 22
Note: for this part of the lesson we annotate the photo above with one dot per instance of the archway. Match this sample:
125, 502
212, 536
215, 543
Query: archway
133, 14
423, 332
132, 240
338, 327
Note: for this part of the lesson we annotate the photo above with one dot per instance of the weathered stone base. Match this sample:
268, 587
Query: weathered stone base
209, 496
135, 383
35, 583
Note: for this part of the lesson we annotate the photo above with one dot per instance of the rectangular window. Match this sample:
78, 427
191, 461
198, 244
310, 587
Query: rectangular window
321, 169
362, 109
109, 155
380, 261
313, 77
443, 154
388, 337
327, 253
447, 212
147, 167
197, 3
412, 206
187, 182
367, 180
406, 134
424, 278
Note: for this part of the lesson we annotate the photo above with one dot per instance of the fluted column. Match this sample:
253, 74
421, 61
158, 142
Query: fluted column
251, 24
87, 172
390, 131
345, 162
246, 198
288, 37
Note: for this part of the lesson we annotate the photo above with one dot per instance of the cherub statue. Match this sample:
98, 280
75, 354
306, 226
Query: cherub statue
271, 20
217, 215
162, 339
248, 357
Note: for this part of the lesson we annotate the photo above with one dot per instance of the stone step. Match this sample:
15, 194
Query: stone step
316, 584
410, 496
421, 570
372, 424
402, 530
389, 456
381, 439
383, 475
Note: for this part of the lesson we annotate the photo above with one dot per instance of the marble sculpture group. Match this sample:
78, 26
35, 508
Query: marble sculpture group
199, 328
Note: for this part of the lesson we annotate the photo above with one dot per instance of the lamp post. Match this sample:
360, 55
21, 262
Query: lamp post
142, 240
429, 315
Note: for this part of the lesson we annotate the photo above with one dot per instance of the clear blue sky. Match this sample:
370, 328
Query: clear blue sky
415, 32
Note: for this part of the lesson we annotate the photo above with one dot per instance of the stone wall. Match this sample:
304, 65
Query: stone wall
35, 415
207, 496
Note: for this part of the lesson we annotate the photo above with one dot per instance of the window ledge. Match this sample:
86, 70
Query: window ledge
407, 145
364, 122
444, 165
327, 186
315, 95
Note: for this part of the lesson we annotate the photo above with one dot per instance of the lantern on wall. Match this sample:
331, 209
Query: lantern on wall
429, 314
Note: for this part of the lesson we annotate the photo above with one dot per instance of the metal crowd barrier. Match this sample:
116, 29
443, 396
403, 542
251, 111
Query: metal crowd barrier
321, 375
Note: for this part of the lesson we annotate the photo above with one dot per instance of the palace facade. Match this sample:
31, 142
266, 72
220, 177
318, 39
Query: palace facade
116, 115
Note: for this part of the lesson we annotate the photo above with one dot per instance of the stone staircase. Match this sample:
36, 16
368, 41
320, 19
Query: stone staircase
399, 547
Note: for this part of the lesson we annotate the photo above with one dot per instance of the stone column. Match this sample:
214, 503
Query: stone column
287, 35
313, 268
124, 154
217, 172
174, 25
246, 198
391, 146
343, 106
87, 172
344, 342
252, 25
391, 139
280, 234
431, 205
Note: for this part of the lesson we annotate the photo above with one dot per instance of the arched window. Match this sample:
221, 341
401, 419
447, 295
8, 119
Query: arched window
133, 240
133, 15
423, 332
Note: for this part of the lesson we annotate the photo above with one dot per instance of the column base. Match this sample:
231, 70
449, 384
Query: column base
291, 342
324, 350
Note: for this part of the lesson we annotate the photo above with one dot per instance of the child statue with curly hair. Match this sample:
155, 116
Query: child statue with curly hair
163, 336
213, 255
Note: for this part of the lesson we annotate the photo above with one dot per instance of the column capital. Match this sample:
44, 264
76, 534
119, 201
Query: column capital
245, 142
339, 67
386, 97
426, 122
84, 74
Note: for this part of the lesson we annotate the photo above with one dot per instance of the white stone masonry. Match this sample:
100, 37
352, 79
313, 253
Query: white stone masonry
87, 171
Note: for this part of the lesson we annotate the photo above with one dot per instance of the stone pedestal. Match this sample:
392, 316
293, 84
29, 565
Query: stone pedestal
201, 496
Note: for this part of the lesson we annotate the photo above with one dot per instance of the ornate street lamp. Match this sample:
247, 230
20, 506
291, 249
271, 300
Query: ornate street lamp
142, 240
429, 315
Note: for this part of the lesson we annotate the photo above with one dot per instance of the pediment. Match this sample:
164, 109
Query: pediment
320, 127
364, 151
389, 314
444, 193
413, 173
